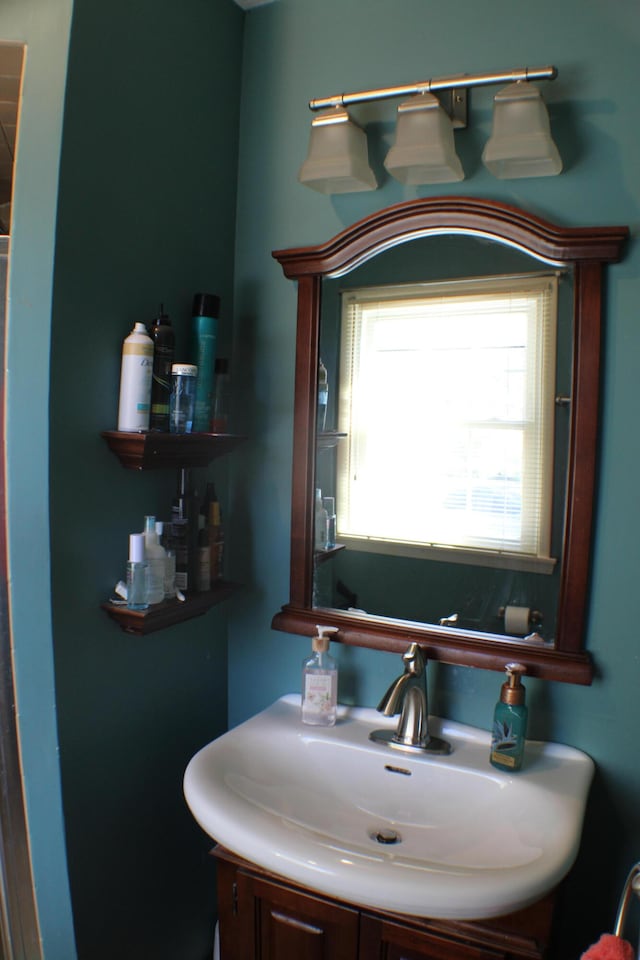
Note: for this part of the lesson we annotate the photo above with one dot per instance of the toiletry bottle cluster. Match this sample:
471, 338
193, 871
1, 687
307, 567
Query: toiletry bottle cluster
180, 556
325, 507
161, 393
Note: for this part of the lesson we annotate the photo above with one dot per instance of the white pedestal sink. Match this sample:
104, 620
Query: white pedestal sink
447, 837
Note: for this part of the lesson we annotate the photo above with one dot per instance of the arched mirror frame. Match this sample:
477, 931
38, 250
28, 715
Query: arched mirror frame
584, 249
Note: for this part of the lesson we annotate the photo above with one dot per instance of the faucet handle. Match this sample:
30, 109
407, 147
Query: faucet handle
414, 660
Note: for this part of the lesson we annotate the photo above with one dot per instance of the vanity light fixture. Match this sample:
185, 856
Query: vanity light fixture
424, 150
521, 144
338, 160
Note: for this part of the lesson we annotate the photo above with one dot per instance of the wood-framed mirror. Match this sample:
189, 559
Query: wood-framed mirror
356, 259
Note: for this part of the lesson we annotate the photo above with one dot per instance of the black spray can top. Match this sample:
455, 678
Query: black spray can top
205, 305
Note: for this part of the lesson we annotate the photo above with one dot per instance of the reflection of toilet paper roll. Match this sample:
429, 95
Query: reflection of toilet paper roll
517, 620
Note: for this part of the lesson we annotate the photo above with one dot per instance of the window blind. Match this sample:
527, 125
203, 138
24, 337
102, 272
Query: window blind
446, 394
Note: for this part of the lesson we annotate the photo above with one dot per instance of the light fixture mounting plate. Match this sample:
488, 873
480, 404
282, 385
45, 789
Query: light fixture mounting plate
455, 102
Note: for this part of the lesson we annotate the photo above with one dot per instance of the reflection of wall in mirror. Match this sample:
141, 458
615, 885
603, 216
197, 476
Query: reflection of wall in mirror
425, 590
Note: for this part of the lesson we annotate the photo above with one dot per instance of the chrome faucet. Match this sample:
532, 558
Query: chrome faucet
407, 696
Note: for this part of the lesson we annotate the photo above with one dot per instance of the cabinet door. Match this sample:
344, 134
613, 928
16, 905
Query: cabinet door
385, 940
295, 925
263, 920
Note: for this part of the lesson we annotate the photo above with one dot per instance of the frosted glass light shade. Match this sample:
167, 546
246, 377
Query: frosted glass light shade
520, 144
338, 157
424, 151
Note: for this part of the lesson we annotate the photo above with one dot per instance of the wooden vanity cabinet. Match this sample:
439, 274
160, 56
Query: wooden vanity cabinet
264, 917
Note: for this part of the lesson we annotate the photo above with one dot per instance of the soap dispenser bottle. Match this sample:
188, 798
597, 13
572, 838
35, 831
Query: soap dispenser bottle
320, 682
510, 722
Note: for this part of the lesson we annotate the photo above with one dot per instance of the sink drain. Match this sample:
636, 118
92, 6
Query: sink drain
386, 836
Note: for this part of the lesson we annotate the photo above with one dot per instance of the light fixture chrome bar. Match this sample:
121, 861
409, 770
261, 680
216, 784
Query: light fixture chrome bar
439, 83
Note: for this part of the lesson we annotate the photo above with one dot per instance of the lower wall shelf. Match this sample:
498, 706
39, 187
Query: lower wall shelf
169, 612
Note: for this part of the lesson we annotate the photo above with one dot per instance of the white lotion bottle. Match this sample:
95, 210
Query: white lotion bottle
134, 407
320, 682
156, 559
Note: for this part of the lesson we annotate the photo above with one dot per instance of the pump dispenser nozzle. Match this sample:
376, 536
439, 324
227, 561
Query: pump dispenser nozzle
513, 691
320, 643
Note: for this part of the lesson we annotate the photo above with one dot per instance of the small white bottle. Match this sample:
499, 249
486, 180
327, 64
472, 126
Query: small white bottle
156, 558
134, 407
320, 682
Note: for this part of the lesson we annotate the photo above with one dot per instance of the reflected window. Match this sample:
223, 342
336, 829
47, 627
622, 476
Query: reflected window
11, 58
446, 396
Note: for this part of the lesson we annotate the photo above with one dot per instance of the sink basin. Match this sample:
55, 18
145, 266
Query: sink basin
448, 837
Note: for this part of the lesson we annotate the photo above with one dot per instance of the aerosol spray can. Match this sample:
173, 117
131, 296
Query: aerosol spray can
135, 380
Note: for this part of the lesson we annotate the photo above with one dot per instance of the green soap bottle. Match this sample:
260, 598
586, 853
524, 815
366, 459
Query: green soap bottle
510, 722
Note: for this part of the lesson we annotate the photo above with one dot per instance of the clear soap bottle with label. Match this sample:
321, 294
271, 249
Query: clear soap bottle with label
510, 722
320, 682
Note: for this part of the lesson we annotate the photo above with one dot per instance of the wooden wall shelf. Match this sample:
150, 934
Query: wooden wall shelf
321, 556
148, 451
166, 614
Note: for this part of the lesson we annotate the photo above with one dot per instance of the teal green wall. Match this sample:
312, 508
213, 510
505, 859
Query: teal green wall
146, 214
44, 26
299, 49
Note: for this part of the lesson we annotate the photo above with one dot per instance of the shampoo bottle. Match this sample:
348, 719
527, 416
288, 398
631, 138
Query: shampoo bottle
210, 510
220, 412
329, 504
156, 556
204, 332
510, 722
169, 561
320, 682
184, 532
203, 568
321, 525
163, 354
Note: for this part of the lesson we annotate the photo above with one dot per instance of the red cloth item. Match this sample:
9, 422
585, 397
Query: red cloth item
609, 947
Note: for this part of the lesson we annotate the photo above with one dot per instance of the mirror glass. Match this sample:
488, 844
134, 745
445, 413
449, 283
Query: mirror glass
487, 585
469, 589
11, 56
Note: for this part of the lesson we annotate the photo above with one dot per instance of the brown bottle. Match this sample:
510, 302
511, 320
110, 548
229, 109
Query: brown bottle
210, 509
